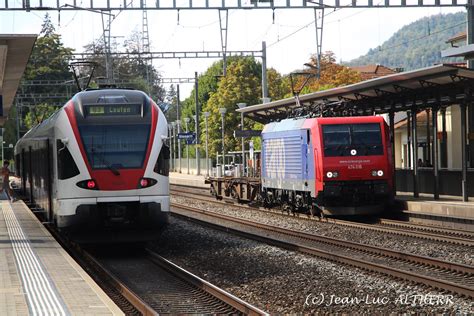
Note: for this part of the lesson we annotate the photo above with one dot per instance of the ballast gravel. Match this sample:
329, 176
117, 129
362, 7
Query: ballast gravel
423, 247
280, 281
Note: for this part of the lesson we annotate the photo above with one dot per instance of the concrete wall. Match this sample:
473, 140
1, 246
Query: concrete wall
192, 166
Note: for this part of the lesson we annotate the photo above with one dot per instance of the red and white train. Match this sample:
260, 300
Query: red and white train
99, 166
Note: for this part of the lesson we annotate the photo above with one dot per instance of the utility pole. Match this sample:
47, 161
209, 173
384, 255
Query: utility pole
206, 116
186, 121
241, 106
223, 112
196, 99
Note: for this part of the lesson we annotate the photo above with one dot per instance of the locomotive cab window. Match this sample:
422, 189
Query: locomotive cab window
67, 168
341, 139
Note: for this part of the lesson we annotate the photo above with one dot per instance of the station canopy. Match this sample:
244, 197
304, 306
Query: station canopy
441, 85
15, 50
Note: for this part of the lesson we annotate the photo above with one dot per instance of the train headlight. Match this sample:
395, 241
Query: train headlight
329, 174
146, 182
377, 173
88, 184
332, 174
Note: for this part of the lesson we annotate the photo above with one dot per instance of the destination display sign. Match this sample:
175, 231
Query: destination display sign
113, 109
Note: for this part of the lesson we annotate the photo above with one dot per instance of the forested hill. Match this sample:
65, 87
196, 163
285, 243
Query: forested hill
416, 45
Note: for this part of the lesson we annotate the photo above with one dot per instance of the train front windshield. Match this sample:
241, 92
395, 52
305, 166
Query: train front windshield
117, 146
352, 140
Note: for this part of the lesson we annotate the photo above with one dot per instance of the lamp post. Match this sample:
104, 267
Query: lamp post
186, 121
206, 116
173, 150
241, 106
178, 125
223, 112
170, 131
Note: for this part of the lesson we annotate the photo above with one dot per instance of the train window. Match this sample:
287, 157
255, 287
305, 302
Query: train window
366, 134
67, 168
162, 165
115, 146
342, 139
337, 135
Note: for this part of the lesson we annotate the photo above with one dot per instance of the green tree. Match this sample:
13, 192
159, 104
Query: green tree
136, 72
171, 98
241, 84
49, 60
10, 133
38, 114
278, 87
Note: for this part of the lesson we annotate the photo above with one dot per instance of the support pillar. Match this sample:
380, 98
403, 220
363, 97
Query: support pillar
409, 160
434, 118
464, 151
428, 137
415, 152
470, 111
391, 117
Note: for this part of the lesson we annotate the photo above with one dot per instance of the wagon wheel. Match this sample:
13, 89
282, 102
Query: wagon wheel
234, 194
316, 211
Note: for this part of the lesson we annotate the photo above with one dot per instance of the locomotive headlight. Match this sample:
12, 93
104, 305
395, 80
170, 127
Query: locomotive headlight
335, 174
91, 184
329, 174
377, 173
332, 174
88, 184
146, 182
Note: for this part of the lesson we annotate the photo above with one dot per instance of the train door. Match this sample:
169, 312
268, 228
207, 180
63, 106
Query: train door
49, 177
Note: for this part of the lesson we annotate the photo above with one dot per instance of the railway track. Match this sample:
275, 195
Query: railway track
155, 285
400, 228
455, 278
169, 289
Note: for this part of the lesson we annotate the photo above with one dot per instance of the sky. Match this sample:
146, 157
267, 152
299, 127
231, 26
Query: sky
290, 36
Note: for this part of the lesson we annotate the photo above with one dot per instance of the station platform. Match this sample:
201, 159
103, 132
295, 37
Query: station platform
188, 180
446, 206
37, 276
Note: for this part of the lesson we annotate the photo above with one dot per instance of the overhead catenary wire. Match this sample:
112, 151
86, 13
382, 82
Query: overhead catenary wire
431, 33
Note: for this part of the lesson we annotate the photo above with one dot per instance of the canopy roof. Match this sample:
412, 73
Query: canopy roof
15, 50
440, 85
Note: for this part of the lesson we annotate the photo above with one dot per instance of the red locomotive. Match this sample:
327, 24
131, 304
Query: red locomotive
334, 166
